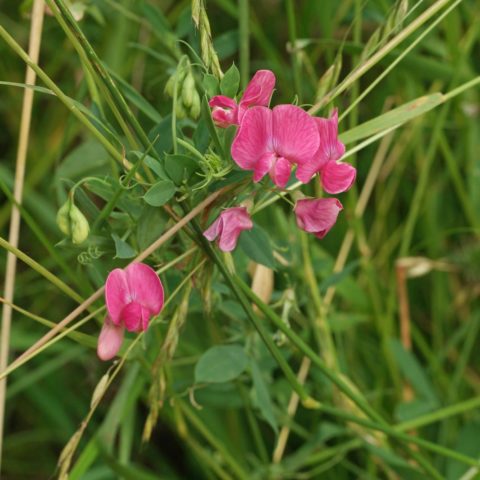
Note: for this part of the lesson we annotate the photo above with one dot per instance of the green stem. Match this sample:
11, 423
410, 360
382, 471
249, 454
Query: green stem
102, 72
397, 60
325, 336
257, 323
292, 33
213, 441
375, 58
396, 434
308, 352
244, 34
441, 414
61, 96
41, 270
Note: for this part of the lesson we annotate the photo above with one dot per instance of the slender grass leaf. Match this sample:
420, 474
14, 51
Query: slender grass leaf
413, 372
135, 98
394, 118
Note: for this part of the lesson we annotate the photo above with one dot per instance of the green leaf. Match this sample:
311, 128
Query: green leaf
467, 444
337, 277
161, 136
135, 98
261, 396
180, 167
210, 85
410, 410
256, 245
413, 372
122, 248
221, 363
152, 163
393, 118
230, 82
150, 226
160, 193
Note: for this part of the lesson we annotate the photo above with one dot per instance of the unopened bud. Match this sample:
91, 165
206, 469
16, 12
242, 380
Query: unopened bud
170, 86
80, 226
63, 218
72, 222
188, 90
180, 111
196, 105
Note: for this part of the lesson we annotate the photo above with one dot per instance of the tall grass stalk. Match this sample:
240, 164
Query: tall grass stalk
14, 233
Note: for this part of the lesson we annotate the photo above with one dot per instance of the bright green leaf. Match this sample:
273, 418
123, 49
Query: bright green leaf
160, 193
395, 117
230, 82
256, 244
122, 248
221, 363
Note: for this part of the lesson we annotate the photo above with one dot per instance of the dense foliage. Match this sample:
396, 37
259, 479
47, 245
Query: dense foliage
345, 354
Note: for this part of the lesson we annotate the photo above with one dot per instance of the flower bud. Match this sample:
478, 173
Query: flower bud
72, 222
170, 86
188, 90
79, 225
196, 105
63, 219
180, 111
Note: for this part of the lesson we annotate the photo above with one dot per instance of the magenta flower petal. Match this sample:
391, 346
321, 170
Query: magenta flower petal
263, 166
337, 177
214, 230
132, 316
133, 296
146, 287
281, 171
223, 102
307, 170
253, 139
330, 148
228, 227
295, 135
259, 90
224, 111
117, 294
317, 216
110, 340
257, 93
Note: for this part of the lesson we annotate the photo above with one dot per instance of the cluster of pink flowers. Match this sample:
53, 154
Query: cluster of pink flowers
275, 142
268, 141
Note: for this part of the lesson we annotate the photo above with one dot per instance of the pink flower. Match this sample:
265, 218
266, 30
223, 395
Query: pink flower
272, 141
133, 296
335, 177
110, 340
226, 111
228, 227
317, 216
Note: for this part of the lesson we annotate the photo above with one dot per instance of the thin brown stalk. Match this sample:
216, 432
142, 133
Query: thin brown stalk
329, 295
404, 310
30, 77
83, 306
